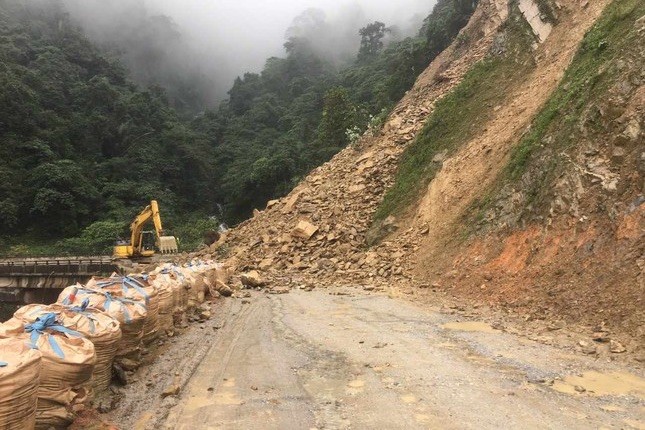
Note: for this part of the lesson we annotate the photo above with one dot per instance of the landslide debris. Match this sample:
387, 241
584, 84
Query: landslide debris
317, 233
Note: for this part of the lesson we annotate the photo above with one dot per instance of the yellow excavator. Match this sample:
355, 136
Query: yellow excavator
142, 243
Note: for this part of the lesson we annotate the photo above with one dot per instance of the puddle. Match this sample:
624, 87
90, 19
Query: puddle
356, 383
408, 398
638, 425
602, 384
143, 421
470, 326
612, 408
480, 359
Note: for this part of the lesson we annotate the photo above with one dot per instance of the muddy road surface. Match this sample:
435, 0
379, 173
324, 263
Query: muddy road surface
309, 360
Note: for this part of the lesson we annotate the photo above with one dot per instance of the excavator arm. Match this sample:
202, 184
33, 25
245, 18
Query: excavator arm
165, 244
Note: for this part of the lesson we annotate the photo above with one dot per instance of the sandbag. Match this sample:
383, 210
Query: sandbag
180, 287
134, 287
165, 284
97, 326
67, 365
20, 368
130, 314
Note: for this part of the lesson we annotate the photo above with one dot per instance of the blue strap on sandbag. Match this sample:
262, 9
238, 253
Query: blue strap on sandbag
48, 322
82, 309
134, 283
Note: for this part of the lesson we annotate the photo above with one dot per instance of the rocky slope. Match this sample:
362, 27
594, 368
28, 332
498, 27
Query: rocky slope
513, 253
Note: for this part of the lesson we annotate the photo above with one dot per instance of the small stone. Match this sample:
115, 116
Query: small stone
600, 336
252, 279
128, 364
171, 390
304, 230
616, 347
254, 388
579, 389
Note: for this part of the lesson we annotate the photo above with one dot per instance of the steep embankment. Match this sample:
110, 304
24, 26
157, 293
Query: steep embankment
467, 196
552, 190
339, 198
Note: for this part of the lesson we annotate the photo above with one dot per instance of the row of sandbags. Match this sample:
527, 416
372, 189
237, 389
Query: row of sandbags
55, 357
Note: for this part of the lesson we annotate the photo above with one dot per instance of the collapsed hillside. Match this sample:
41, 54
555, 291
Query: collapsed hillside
450, 194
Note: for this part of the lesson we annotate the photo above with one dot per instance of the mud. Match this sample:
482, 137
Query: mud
361, 360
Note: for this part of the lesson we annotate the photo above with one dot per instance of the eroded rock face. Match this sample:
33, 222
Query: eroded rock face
318, 232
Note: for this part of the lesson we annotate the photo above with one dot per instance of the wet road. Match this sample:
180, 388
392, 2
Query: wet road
313, 360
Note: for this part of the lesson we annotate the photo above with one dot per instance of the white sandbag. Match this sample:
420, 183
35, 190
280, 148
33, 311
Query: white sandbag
20, 368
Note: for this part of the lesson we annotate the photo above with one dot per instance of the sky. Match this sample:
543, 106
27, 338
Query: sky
245, 32
223, 39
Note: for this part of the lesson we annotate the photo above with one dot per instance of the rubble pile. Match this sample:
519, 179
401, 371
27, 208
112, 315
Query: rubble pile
320, 231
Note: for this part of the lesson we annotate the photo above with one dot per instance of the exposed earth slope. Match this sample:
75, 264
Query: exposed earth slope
528, 136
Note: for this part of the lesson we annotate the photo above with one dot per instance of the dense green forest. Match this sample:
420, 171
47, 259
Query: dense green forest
83, 149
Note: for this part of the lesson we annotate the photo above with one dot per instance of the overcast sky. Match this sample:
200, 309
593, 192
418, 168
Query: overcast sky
246, 32
222, 39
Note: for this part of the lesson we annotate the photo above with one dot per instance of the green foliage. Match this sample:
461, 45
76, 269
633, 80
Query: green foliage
339, 115
191, 232
79, 142
83, 146
371, 40
458, 117
301, 110
96, 239
584, 80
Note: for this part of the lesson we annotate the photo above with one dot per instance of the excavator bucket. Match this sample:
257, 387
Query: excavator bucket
168, 245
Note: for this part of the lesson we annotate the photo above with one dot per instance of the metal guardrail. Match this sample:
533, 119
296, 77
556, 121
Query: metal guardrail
55, 261
64, 266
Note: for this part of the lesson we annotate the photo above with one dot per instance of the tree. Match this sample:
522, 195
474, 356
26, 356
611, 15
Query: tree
339, 115
371, 39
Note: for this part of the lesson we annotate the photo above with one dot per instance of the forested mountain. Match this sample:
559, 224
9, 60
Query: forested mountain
84, 148
79, 142
300, 110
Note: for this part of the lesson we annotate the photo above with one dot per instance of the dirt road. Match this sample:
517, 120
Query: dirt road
313, 360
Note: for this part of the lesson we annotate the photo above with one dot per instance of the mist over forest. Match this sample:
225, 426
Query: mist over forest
211, 108
196, 48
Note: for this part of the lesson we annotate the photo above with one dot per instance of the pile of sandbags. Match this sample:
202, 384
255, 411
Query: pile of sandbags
169, 288
196, 272
67, 366
20, 368
131, 315
97, 326
137, 288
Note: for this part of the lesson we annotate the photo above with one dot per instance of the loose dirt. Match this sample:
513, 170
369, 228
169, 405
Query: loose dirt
362, 360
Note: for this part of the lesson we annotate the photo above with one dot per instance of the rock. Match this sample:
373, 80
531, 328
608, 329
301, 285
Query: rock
266, 263
304, 230
204, 315
171, 390
119, 374
616, 347
587, 348
279, 290
600, 336
272, 203
128, 364
291, 202
252, 279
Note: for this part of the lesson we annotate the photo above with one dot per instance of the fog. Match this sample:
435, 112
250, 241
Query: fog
171, 42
